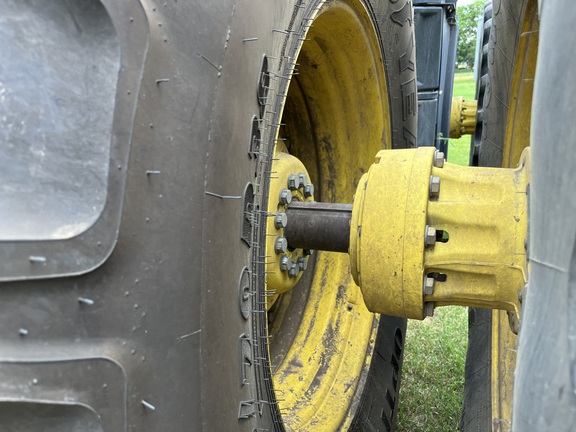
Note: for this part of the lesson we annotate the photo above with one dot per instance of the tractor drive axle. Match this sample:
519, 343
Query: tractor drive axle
318, 226
423, 233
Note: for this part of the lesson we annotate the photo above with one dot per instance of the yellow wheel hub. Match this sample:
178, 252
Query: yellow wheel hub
289, 181
451, 234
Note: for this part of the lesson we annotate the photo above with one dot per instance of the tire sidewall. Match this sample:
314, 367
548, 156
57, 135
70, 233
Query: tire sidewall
272, 31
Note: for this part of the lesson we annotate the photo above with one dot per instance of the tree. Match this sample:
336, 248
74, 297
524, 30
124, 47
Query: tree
468, 21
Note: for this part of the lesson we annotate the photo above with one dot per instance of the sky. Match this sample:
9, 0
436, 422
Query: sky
464, 2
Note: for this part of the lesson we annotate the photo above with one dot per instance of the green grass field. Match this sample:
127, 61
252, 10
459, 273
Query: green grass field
432, 388
459, 149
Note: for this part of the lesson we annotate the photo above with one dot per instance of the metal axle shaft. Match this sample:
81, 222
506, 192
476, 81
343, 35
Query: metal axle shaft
318, 226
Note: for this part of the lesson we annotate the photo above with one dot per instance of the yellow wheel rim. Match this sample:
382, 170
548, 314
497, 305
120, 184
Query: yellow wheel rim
335, 118
516, 139
517, 136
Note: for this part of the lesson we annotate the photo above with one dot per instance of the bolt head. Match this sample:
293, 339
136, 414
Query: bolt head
428, 286
307, 252
429, 309
302, 180
285, 263
309, 190
434, 186
280, 245
280, 220
285, 197
439, 159
293, 182
430, 236
294, 270
303, 263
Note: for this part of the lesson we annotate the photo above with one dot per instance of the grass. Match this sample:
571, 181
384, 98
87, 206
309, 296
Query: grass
459, 149
432, 388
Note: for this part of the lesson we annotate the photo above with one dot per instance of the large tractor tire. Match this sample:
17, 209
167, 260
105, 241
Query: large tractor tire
545, 376
505, 132
481, 74
140, 140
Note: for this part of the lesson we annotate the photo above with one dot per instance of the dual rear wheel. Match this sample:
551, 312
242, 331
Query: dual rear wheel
337, 85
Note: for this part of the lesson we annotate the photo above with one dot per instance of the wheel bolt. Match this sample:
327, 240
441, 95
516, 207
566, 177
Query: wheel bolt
303, 263
294, 270
308, 190
280, 245
285, 263
430, 236
280, 220
293, 182
439, 159
285, 197
429, 309
428, 286
434, 186
302, 180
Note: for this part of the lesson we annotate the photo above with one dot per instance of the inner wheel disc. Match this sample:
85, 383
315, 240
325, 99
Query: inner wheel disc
335, 119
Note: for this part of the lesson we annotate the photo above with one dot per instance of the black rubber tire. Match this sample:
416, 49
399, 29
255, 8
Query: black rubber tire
379, 402
477, 407
159, 334
504, 36
482, 81
506, 22
545, 376
377, 406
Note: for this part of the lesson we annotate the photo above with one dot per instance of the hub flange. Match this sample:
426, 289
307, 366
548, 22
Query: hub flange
425, 233
289, 183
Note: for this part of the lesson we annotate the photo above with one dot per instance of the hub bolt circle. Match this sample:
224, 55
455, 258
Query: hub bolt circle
294, 270
439, 159
280, 220
430, 236
280, 245
434, 186
429, 309
285, 263
293, 182
428, 286
285, 197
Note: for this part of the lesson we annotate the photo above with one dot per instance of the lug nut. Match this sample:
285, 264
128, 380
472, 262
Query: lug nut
430, 236
429, 309
307, 252
293, 182
302, 180
308, 190
303, 263
280, 220
428, 286
285, 197
294, 270
434, 186
285, 263
280, 245
439, 159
